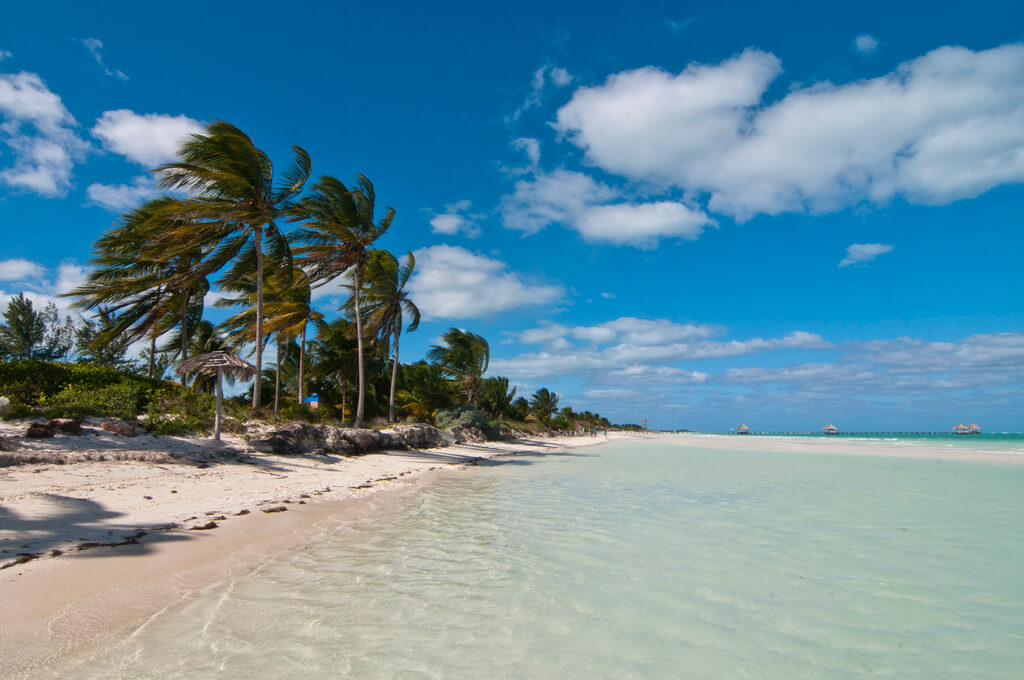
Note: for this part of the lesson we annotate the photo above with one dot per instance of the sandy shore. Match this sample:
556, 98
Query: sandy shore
92, 548
843, 446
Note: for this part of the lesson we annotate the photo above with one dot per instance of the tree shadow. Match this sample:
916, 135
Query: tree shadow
77, 521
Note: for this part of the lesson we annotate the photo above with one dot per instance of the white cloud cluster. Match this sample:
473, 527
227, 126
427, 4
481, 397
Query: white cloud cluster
148, 139
945, 126
859, 253
579, 202
865, 44
41, 132
454, 283
455, 220
120, 198
39, 284
20, 270
94, 46
629, 350
547, 74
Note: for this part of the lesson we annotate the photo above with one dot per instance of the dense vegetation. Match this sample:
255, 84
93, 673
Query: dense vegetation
225, 218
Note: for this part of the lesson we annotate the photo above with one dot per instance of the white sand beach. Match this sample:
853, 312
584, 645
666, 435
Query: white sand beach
113, 541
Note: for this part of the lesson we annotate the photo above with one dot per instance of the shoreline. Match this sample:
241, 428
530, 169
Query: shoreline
59, 606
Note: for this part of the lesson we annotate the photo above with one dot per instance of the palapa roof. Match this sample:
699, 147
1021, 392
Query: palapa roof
742, 427
830, 426
974, 426
961, 426
209, 364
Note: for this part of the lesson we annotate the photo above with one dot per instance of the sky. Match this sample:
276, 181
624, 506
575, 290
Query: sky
698, 214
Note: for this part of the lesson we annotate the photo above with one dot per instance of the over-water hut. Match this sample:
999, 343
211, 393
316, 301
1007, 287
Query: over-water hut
742, 429
961, 429
830, 429
974, 428
218, 364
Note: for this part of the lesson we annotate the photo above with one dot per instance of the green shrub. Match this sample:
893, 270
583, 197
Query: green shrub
179, 412
466, 416
123, 400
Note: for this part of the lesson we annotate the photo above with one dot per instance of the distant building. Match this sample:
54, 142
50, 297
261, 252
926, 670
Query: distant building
742, 429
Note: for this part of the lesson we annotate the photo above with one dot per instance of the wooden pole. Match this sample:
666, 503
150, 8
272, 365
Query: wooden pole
220, 397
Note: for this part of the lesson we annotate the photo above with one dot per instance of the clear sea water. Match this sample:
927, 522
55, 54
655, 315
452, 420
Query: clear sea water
632, 560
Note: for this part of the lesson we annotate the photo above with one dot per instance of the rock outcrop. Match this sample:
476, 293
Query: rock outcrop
120, 427
67, 425
466, 433
39, 431
297, 438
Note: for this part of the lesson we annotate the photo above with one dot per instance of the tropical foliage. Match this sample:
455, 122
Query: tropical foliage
224, 219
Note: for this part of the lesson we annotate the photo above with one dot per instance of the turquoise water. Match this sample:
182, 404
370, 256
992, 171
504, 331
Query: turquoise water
632, 560
995, 442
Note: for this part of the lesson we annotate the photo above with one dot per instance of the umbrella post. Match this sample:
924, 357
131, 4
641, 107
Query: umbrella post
220, 397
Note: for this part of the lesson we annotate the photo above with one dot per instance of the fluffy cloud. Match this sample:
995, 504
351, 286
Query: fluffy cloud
147, 139
994, 351
20, 270
453, 283
123, 197
945, 126
641, 224
555, 75
866, 44
40, 130
94, 46
550, 198
629, 350
453, 220
857, 253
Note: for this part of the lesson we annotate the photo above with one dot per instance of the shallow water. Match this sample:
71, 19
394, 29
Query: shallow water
632, 560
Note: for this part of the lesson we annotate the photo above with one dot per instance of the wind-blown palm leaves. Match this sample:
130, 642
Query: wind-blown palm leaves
464, 357
145, 289
233, 203
496, 398
337, 235
388, 303
543, 404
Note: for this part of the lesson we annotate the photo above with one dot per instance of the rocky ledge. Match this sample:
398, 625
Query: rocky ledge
298, 438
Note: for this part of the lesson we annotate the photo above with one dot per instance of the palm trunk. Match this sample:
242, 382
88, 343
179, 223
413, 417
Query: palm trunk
302, 363
259, 319
359, 351
277, 375
184, 328
344, 399
220, 406
394, 380
152, 352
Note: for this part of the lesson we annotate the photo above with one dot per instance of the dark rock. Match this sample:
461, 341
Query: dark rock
39, 431
466, 433
419, 436
204, 527
7, 445
297, 438
119, 427
241, 512
293, 439
279, 508
67, 425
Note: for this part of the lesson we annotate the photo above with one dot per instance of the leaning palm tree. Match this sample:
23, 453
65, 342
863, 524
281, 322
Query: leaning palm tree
543, 404
233, 203
149, 290
337, 235
496, 398
464, 358
387, 303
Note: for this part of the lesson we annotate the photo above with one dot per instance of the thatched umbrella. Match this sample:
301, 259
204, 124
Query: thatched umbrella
974, 427
830, 428
218, 364
743, 429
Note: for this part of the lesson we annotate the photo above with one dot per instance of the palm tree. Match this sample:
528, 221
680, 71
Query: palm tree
333, 353
149, 290
464, 358
496, 398
387, 301
543, 404
233, 203
338, 233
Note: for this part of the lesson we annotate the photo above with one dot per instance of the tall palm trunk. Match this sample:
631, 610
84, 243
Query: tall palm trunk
152, 343
259, 319
359, 351
302, 363
394, 380
184, 327
277, 375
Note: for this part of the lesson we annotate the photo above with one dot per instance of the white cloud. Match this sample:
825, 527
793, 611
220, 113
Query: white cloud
554, 75
40, 130
559, 76
556, 197
608, 296
677, 25
865, 44
453, 283
531, 147
945, 126
94, 46
147, 139
857, 253
641, 224
123, 197
994, 351
20, 270
452, 221
4, 54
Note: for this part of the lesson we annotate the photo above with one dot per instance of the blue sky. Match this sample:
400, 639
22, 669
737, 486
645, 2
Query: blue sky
696, 213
